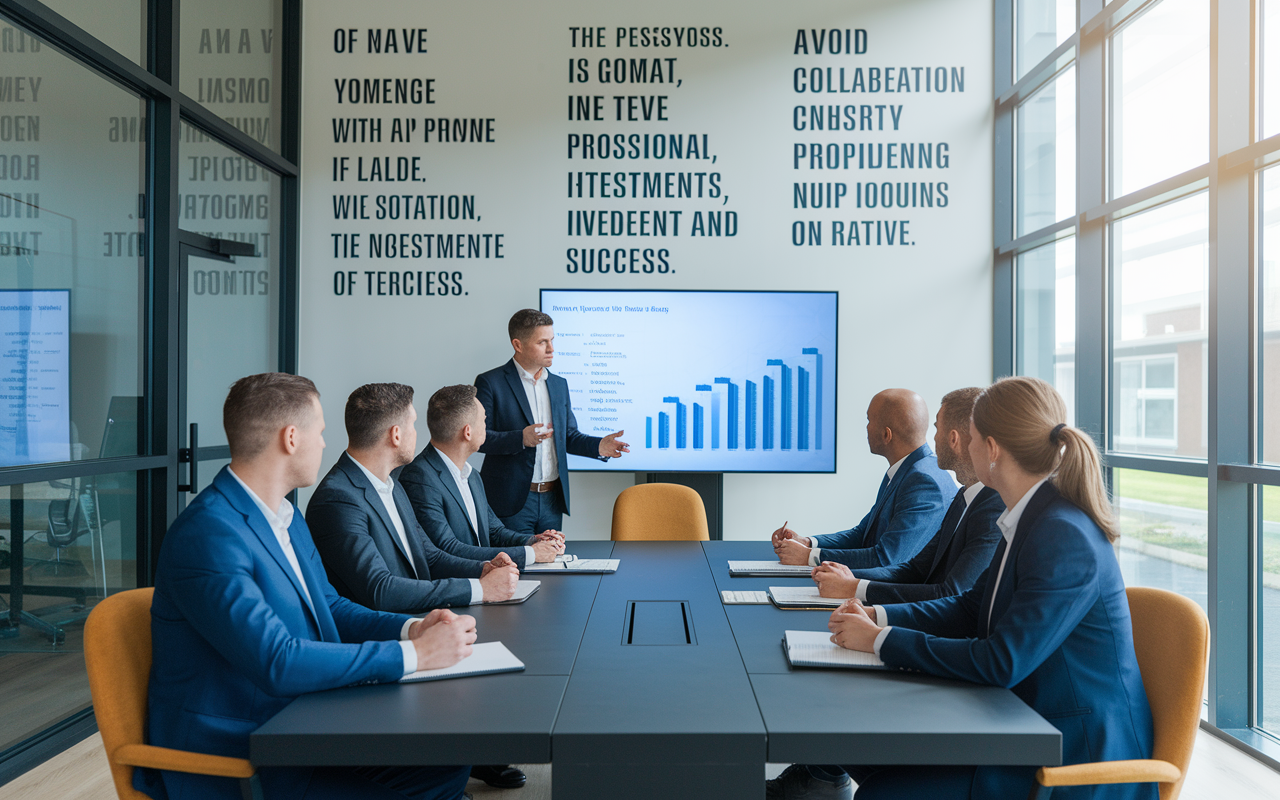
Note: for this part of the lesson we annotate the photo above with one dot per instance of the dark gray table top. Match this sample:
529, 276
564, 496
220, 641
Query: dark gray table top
729, 699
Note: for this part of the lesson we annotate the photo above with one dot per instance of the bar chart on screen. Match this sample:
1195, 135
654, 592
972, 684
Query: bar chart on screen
701, 381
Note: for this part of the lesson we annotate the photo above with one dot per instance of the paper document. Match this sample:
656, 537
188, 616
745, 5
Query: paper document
769, 569
815, 649
523, 590
585, 565
485, 659
731, 598
802, 596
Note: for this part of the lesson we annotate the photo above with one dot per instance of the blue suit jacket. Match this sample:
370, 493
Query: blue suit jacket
435, 498
508, 464
952, 560
364, 557
1059, 636
905, 515
234, 640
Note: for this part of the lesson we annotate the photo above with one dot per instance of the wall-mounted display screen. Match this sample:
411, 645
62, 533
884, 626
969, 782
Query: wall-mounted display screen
35, 376
701, 381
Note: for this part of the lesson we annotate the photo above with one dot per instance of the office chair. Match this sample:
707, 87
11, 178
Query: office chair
659, 512
117, 654
71, 518
1171, 638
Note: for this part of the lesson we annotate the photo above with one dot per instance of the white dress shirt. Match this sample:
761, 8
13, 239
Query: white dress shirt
969, 494
545, 468
279, 521
384, 491
1008, 524
815, 554
462, 478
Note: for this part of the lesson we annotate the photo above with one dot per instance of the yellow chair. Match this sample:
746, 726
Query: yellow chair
117, 655
1171, 638
659, 512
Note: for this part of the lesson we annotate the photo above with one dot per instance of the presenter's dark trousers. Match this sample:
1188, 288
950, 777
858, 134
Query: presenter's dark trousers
387, 783
543, 511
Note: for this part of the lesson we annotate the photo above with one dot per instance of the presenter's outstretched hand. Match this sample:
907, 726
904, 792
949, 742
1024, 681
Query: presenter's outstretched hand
442, 638
546, 550
612, 447
835, 580
793, 551
498, 583
536, 434
853, 627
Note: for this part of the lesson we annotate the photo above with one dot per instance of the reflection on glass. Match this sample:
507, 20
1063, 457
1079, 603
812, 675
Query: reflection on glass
1269, 316
1160, 85
1042, 26
1269, 606
233, 306
120, 24
1159, 380
1046, 143
1269, 69
1046, 317
1164, 531
73, 537
71, 180
231, 63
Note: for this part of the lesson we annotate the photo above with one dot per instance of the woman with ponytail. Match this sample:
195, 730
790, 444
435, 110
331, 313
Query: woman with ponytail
1049, 619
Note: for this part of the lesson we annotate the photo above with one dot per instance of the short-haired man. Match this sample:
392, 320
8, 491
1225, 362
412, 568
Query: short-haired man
448, 496
243, 620
365, 529
912, 500
532, 431
963, 546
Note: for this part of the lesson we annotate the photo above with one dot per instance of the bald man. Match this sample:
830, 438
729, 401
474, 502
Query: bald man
909, 507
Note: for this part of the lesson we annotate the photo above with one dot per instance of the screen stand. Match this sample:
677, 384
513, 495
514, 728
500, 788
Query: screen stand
710, 485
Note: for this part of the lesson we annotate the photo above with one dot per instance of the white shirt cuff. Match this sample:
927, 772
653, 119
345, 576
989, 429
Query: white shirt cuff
882, 619
410, 654
529, 556
861, 591
880, 637
814, 554
477, 591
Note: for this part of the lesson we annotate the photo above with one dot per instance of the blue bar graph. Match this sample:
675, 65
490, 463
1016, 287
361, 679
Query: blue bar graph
802, 408
681, 422
817, 395
769, 389
733, 411
664, 431
786, 407
648, 432
697, 426
751, 415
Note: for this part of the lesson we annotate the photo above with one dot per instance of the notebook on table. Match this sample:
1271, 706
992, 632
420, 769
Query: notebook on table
748, 598
768, 569
523, 590
489, 658
815, 649
795, 598
571, 563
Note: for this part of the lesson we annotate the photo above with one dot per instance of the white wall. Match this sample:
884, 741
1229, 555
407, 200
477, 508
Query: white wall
917, 316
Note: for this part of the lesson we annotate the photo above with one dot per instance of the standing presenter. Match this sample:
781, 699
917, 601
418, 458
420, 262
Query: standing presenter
532, 430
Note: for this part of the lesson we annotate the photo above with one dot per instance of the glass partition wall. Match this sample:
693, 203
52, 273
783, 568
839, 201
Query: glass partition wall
1136, 197
115, 103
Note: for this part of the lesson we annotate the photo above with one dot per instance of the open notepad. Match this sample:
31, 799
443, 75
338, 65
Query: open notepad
801, 597
523, 590
768, 569
485, 659
815, 649
571, 563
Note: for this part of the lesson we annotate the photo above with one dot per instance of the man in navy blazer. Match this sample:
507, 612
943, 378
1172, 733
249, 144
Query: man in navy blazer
533, 431
448, 496
373, 549
961, 549
909, 507
243, 620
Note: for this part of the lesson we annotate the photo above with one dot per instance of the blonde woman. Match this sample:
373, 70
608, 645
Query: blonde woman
1049, 619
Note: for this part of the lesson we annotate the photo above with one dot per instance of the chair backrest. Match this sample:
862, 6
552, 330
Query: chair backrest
117, 655
659, 512
1171, 638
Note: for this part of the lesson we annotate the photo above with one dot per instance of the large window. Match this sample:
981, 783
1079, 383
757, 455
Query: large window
1165, 255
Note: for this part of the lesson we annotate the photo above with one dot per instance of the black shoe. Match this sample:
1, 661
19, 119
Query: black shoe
797, 783
499, 776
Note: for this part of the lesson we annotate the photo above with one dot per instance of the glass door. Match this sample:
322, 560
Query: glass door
229, 329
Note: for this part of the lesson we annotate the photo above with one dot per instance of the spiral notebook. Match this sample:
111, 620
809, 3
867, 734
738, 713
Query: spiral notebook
768, 569
801, 597
489, 658
570, 563
815, 649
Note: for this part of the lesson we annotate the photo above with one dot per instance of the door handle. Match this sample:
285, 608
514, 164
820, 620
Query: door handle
188, 455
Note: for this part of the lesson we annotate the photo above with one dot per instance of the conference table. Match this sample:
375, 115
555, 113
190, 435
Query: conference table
642, 684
